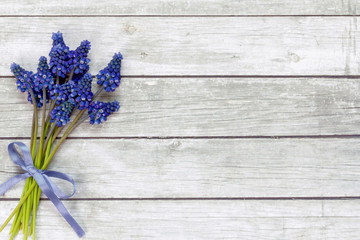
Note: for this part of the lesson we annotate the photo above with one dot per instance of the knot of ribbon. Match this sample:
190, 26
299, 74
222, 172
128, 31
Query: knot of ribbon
42, 178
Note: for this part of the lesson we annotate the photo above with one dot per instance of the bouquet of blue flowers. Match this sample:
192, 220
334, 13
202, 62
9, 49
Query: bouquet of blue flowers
62, 89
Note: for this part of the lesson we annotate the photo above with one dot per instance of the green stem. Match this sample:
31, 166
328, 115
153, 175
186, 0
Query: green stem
22, 200
34, 136
28, 212
56, 133
37, 160
17, 224
52, 106
98, 92
39, 153
18, 214
62, 139
48, 148
32, 130
25, 205
46, 127
37, 193
48, 140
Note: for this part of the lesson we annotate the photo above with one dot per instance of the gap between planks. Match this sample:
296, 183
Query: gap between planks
203, 199
230, 76
206, 137
184, 16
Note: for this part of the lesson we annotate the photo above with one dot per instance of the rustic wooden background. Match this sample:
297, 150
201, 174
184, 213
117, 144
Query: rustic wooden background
239, 119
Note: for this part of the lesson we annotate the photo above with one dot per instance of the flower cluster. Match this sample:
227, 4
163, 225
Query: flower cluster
110, 77
59, 60
79, 60
61, 114
43, 78
81, 94
23, 77
99, 111
65, 82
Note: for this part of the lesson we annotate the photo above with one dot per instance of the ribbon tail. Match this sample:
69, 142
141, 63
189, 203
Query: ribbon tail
48, 191
65, 213
12, 182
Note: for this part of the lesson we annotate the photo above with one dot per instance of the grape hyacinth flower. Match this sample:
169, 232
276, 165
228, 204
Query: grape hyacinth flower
99, 111
79, 60
62, 86
81, 94
57, 39
61, 114
109, 77
24, 78
43, 78
61, 93
59, 60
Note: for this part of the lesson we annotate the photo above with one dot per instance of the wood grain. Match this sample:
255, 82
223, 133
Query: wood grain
205, 168
193, 46
210, 107
183, 7
253, 220
131, 187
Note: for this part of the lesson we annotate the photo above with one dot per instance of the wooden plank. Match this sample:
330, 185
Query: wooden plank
210, 107
183, 7
193, 46
253, 220
204, 168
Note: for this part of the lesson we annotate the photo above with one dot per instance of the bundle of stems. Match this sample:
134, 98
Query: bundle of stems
42, 150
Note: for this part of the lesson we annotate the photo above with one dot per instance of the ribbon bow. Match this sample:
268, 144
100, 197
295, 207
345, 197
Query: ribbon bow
42, 178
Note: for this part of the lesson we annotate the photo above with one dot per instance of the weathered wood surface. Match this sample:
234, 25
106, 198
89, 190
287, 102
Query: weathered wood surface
183, 7
211, 107
205, 168
196, 46
252, 220
146, 181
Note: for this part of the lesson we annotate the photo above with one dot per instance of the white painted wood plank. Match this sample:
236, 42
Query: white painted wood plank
205, 168
253, 220
211, 107
171, 7
193, 46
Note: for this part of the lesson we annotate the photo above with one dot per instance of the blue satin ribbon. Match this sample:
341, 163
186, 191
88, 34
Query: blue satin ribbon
42, 178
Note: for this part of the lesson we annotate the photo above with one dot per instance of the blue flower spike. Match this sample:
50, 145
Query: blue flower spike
61, 93
59, 60
57, 39
99, 111
43, 77
110, 77
23, 78
81, 94
61, 114
79, 59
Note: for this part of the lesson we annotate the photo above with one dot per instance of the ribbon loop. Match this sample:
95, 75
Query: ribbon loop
42, 178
